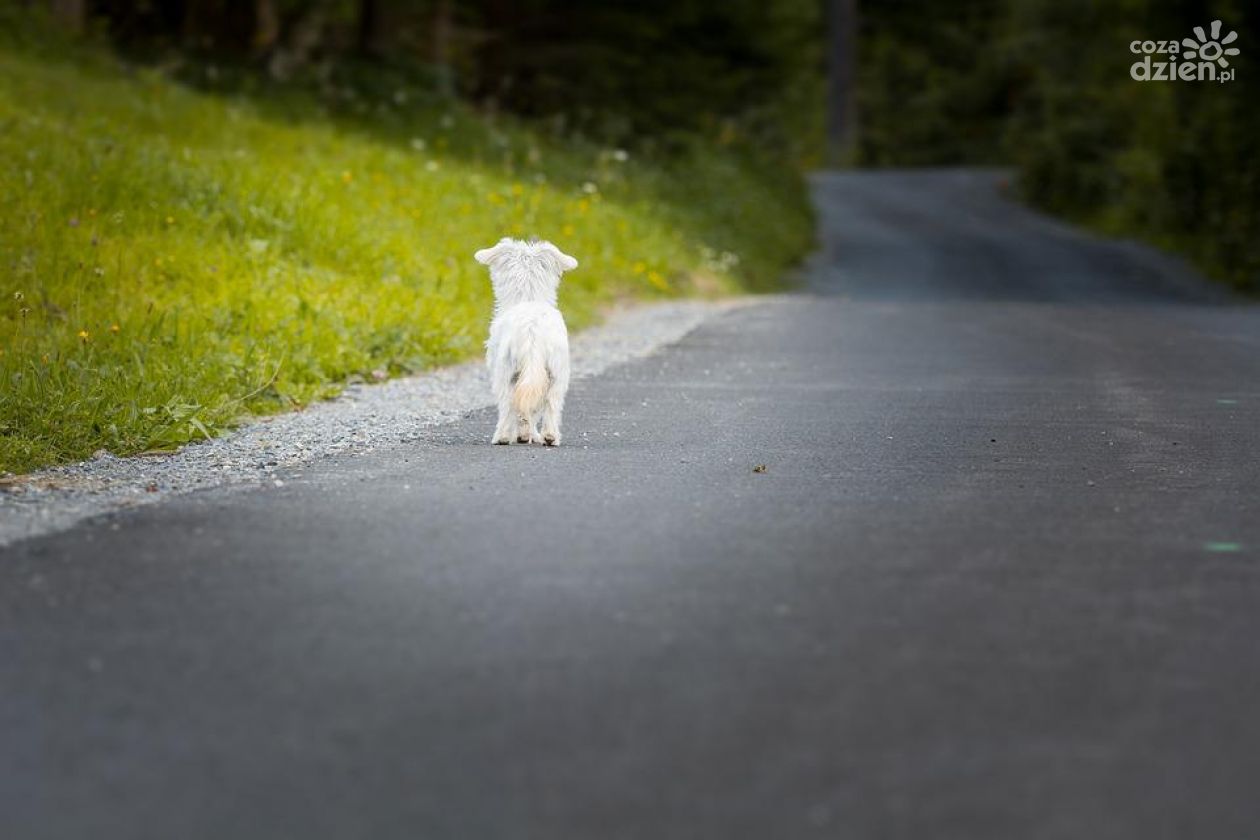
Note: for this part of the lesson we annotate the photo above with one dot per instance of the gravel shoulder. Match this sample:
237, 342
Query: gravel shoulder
360, 420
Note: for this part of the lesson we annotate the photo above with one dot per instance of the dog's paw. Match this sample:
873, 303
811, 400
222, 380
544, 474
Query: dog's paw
524, 439
501, 441
551, 440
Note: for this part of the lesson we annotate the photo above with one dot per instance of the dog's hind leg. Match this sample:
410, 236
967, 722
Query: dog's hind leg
553, 403
552, 409
503, 431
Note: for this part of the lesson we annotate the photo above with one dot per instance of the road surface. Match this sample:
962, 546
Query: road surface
998, 579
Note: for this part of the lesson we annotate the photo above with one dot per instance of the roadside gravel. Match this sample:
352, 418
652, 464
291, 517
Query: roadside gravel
363, 418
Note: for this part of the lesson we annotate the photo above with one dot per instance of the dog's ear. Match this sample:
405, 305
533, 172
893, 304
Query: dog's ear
486, 255
565, 262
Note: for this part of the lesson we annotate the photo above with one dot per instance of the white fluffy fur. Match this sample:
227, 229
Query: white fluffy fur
528, 348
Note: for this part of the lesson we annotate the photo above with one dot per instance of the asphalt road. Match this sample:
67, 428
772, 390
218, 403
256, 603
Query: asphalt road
999, 579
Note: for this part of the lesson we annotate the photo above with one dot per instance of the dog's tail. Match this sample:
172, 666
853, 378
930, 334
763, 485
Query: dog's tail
530, 383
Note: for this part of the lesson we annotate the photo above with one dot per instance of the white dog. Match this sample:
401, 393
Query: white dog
528, 348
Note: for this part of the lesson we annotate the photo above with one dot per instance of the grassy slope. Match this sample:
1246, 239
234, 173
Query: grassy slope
172, 261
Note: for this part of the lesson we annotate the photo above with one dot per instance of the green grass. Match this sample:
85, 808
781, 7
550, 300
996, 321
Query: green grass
174, 260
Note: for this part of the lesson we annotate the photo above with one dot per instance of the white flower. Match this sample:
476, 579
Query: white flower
590, 188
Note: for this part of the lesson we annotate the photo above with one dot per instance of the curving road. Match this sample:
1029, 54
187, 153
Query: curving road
999, 579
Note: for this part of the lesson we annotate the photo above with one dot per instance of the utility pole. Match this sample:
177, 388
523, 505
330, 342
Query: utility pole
842, 41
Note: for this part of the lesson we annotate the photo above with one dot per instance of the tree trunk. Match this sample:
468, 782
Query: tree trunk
371, 29
71, 13
299, 35
222, 25
266, 27
443, 30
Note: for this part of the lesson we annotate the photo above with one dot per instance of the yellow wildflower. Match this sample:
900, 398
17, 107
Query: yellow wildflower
83, 336
114, 328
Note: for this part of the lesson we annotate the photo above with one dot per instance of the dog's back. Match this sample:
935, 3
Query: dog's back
529, 344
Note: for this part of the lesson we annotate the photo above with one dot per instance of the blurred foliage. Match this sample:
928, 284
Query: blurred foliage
659, 70
1045, 85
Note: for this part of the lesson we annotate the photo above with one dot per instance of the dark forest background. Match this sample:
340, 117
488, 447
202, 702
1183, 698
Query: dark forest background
1044, 86
656, 72
1040, 85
